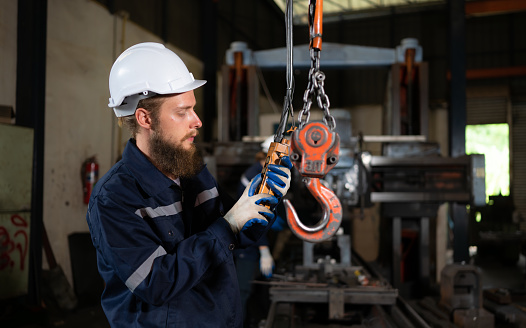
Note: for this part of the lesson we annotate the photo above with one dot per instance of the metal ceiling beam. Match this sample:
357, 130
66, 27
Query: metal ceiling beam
337, 55
486, 7
301, 19
499, 72
334, 56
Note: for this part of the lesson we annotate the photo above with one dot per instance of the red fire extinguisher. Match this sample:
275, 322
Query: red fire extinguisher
90, 175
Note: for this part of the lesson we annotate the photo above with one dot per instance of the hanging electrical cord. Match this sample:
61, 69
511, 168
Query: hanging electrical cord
289, 94
290, 50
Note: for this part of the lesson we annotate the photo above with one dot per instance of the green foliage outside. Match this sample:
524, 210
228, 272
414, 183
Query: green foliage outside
492, 140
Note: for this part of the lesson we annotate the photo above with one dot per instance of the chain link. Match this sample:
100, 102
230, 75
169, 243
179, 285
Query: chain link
316, 91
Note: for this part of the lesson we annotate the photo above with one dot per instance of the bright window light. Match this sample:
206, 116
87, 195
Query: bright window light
492, 140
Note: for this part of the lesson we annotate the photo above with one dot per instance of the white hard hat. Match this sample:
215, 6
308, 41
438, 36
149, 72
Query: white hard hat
265, 145
144, 70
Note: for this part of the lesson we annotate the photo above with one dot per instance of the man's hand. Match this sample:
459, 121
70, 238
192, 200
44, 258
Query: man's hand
249, 209
266, 262
279, 177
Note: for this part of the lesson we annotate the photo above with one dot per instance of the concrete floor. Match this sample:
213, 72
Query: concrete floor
494, 274
16, 315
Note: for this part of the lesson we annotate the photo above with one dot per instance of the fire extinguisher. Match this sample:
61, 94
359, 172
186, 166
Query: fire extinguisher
90, 175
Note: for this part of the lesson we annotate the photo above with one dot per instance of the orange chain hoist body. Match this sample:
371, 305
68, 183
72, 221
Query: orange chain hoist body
315, 150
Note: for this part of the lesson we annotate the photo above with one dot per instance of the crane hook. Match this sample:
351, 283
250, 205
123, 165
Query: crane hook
332, 214
314, 152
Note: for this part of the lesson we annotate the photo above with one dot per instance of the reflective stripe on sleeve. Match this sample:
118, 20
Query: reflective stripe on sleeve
160, 211
206, 195
142, 272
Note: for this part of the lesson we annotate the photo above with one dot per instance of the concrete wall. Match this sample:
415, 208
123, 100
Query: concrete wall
78, 123
83, 41
8, 44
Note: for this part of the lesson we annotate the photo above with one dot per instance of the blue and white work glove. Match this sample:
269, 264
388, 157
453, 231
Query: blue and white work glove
279, 177
250, 208
266, 261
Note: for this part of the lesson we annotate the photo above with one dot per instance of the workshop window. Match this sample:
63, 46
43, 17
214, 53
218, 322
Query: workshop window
492, 140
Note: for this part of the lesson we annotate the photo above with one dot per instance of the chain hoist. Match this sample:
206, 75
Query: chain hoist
315, 146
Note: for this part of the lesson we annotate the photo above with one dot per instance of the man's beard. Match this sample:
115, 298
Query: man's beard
174, 160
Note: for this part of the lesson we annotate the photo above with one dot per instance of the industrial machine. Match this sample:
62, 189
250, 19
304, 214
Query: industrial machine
410, 179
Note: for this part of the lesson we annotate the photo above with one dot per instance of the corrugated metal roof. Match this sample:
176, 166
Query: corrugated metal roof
343, 7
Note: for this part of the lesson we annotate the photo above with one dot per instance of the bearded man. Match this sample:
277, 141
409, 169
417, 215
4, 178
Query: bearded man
163, 236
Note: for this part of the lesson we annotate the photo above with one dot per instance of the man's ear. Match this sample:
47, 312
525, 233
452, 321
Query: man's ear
143, 118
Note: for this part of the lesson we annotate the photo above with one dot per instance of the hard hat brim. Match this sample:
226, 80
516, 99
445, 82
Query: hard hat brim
190, 86
130, 106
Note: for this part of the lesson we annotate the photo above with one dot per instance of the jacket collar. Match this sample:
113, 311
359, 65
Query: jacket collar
151, 180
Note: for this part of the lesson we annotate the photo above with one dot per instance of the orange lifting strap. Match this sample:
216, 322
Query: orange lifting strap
316, 23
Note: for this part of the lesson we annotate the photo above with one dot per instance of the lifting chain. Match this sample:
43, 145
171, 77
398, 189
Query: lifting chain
315, 90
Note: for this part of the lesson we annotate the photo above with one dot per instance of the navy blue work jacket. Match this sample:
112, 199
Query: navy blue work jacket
163, 250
